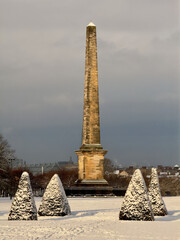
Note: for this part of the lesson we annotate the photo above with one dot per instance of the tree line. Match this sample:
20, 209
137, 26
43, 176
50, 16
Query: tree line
9, 178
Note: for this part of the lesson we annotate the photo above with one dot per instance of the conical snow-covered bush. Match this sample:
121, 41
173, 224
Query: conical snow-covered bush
54, 201
23, 206
136, 204
158, 206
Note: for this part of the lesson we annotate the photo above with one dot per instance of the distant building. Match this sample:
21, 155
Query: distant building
176, 167
40, 168
163, 173
18, 163
123, 174
47, 167
116, 172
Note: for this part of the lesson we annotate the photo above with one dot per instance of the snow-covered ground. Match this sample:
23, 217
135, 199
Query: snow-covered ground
92, 218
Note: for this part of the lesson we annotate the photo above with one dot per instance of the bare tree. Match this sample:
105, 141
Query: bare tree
6, 153
108, 165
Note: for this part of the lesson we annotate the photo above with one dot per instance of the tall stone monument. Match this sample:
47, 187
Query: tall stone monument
91, 153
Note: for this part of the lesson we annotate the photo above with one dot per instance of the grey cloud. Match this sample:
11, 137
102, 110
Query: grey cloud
42, 77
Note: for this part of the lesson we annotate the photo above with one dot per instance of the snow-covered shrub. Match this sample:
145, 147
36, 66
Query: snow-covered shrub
158, 206
54, 201
136, 204
23, 206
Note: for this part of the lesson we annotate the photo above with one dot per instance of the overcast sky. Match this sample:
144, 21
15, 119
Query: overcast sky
42, 61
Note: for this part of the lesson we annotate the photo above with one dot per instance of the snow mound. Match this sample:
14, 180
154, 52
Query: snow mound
23, 206
136, 204
54, 201
158, 206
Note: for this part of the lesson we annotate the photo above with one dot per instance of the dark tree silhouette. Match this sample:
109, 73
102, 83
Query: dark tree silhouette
6, 153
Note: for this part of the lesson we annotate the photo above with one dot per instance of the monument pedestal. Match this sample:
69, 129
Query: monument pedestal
91, 165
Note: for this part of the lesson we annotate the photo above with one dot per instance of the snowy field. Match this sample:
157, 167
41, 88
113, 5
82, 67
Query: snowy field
92, 218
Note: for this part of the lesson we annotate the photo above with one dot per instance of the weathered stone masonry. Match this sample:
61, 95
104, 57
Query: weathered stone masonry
91, 153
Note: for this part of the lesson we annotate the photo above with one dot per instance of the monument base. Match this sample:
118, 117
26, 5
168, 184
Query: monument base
86, 190
91, 182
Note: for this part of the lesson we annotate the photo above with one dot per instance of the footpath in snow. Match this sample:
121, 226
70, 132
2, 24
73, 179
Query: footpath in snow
92, 218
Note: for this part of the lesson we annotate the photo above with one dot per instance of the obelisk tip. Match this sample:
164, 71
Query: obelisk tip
91, 24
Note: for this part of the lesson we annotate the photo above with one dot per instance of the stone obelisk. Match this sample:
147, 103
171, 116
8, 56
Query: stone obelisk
91, 153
